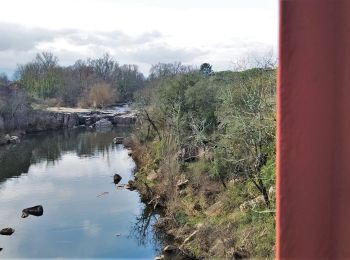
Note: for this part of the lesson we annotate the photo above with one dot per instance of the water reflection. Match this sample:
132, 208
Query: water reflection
49, 147
145, 233
65, 172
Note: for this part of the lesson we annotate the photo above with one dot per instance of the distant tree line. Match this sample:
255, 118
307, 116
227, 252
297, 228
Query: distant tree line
92, 82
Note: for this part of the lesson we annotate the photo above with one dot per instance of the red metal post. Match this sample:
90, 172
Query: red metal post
313, 135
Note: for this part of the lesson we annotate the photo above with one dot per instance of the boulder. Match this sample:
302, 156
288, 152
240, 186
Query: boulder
124, 119
215, 209
272, 191
169, 249
152, 176
218, 246
35, 211
7, 231
102, 123
258, 201
73, 120
181, 184
118, 140
182, 193
163, 222
117, 178
5, 139
240, 254
14, 139
190, 237
131, 185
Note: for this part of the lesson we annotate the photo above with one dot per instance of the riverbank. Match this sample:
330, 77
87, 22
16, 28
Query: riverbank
204, 218
55, 118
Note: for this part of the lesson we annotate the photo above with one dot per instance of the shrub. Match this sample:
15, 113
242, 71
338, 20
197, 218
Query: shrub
101, 95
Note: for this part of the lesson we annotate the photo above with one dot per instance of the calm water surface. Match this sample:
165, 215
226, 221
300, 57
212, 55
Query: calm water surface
65, 172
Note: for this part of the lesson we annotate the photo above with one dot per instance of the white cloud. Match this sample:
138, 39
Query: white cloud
137, 31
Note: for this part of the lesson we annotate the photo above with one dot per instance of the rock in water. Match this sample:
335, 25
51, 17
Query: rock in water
102, 193
35, 211
14, 140
5, 139
117, 178
103, 123
118, 140
131, 185
7, 231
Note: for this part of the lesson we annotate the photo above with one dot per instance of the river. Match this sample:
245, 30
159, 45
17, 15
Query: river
70, 173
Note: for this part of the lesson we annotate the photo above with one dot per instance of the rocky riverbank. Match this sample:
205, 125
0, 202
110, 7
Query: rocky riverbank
61, 118
202, 218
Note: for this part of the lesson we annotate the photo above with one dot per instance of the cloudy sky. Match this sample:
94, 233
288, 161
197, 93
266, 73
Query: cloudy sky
141, 32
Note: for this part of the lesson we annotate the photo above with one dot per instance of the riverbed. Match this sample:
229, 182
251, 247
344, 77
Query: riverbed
70, 173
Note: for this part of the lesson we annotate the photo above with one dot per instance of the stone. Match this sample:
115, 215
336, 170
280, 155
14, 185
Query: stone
215, 209
218, 246
258, 201
240, 254
124, 119
199, 225
182, 193
14, 139
118, 140
117, 178
190, 237
272, 191
35, 211
162, 222
169, 249
182, 184
73, 120
5, 139
103, 123
7, 231
152, 176
131, 185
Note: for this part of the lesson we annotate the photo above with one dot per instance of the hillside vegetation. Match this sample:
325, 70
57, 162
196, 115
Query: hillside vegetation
205, 147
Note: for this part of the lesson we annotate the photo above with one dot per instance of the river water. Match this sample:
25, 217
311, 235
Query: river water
85, 215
